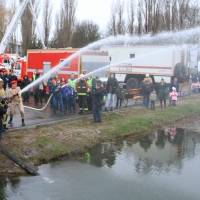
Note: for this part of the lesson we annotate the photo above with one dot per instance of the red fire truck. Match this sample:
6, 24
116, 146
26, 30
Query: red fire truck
45, 59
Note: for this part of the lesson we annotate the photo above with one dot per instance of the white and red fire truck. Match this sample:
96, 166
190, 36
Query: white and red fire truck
132, 63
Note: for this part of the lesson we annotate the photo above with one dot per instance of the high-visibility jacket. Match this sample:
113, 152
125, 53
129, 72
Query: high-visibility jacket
34, 76
89, 81
82, 88
72, 82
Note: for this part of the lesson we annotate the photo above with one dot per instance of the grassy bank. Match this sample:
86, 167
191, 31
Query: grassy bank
43, 144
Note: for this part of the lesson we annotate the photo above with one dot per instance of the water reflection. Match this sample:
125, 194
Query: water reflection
162, 165
11, 183
164, 150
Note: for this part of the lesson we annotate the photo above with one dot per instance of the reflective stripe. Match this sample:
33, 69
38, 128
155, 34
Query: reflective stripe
85, 108
81, 87
81, 94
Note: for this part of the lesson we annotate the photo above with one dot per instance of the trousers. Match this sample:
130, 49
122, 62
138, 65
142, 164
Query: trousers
110, 100
20, 106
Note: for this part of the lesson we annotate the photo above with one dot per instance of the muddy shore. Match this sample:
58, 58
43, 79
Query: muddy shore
41, 145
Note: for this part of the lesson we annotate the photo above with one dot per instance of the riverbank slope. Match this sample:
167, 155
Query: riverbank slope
36, 146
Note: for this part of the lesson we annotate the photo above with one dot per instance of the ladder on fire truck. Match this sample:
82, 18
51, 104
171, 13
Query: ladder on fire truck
12, 27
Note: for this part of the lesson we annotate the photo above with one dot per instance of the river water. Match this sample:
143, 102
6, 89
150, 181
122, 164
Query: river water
162, 165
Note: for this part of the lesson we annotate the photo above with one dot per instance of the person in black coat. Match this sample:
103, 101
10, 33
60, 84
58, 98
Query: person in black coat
25, 83
2, 112
11, 78
112, 85
98, 102
147, 88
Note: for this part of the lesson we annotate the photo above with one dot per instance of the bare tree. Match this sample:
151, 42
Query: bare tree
47, 20
131, 16
3, 23
117, 23
28, 25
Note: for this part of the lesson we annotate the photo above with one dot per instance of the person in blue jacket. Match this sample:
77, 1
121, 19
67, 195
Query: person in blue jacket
57, 97
71, 98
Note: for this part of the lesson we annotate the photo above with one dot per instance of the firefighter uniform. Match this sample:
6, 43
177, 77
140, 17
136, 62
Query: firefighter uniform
82, 89
16, 100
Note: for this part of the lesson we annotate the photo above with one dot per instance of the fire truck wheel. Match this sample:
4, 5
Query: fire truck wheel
180, 71
132, 83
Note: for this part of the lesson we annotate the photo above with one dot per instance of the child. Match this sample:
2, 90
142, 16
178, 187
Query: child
120, 95
174, 96
153, 97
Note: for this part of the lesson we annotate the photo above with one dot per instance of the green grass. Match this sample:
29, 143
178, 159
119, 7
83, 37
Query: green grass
43, 141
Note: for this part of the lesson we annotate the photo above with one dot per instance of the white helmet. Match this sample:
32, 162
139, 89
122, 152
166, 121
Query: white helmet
81, 75
147, 75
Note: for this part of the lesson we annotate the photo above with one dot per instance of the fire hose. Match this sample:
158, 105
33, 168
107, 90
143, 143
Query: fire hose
41, 109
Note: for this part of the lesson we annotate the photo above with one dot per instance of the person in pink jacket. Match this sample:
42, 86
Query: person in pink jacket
174, 96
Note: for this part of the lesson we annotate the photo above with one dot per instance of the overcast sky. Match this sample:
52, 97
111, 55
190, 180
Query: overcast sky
95, 10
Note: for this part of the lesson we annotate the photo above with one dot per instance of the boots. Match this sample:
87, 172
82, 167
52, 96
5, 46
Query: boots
23, 124
4, 127
106, 110
10, 121
80, 112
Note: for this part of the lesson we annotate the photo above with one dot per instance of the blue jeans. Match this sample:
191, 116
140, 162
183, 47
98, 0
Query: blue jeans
64, 102
1, 132
55, 104
96, 113
71, 103
146, 101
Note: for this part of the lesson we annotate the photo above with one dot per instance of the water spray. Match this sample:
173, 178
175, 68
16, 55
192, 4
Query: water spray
190, 36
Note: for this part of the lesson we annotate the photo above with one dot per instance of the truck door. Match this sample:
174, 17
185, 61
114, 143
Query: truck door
46, 67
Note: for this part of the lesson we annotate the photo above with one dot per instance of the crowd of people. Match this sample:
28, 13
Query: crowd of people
91, 93
159, 91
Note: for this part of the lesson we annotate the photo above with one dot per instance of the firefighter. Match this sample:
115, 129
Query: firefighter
82, 90
3, 102
72, 80
92, 82
16, 100
36, 75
